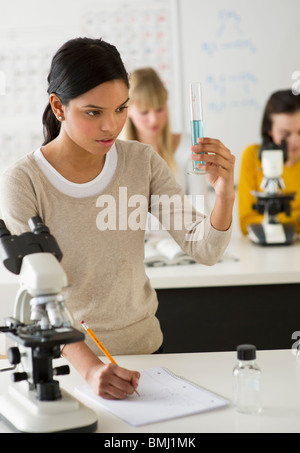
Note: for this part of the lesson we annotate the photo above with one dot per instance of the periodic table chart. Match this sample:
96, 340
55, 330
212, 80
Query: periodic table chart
145, 35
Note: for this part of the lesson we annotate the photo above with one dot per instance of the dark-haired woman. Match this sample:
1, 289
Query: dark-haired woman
93, 191
281, 120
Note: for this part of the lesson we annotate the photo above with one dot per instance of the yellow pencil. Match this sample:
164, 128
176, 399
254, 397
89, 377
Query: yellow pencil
100, 345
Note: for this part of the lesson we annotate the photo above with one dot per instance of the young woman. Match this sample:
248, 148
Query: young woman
281, 120
91, 189
148, 116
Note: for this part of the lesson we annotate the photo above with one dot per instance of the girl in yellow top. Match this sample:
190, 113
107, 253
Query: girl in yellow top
281, 120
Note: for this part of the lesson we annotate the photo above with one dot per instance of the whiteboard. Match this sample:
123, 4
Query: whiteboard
241, 51
145, 33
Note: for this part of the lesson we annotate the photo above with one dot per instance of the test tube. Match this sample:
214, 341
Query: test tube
196, 122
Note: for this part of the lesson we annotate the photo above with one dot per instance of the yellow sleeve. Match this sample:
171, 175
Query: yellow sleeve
250, 179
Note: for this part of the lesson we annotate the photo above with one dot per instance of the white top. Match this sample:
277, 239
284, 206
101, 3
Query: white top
87, 189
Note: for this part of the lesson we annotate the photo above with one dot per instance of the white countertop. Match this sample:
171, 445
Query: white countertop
280, 393
244, 263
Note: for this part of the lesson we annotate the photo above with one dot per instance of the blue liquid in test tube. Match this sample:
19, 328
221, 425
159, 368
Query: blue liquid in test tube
197, 130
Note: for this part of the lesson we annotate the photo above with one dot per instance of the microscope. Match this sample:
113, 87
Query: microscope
272, 200
41, 323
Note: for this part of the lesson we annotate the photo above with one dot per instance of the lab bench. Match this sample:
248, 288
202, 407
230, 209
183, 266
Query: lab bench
250, 296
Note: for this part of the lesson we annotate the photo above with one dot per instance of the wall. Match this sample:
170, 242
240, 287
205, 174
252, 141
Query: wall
241, 51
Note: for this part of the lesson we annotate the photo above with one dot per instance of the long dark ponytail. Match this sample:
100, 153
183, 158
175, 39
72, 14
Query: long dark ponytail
78, 66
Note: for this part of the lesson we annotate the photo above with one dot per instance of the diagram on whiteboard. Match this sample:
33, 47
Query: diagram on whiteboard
229, 40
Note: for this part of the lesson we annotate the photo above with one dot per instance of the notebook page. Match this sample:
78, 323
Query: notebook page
163, 396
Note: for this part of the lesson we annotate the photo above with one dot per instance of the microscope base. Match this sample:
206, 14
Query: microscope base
272, 234
21, 410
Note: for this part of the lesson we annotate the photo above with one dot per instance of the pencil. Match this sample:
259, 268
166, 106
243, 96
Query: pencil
100, 346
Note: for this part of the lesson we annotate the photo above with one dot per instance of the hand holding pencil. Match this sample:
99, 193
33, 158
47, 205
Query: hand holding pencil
117, 377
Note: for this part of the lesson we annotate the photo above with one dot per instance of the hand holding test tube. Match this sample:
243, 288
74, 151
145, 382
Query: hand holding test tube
196, 121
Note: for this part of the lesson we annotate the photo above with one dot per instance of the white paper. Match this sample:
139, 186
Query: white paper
163, 396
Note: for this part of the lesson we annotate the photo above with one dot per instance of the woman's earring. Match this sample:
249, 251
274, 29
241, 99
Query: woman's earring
60, 118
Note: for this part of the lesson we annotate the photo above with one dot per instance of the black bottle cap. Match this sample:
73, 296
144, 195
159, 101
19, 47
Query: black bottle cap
246, 352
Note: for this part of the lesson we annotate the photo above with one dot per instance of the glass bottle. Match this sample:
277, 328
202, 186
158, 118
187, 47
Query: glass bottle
247, 381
